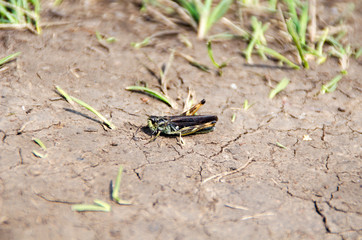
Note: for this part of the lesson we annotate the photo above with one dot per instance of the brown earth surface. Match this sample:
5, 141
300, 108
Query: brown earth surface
310, 190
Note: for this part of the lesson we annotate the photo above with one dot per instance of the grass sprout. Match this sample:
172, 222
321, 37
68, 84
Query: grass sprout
20, 14
280, 145
115, 189
64, 95
40, 143
38, 154
151, 92
297, 41
322, 58
331, 86
104, 39
280, 87
193, 62
43, 147
9, 58
99, 206
233, 117
203, 14
246, 105
143, 43
257, 37
343, 54
211, 55
300, 21
276, 55
71, 99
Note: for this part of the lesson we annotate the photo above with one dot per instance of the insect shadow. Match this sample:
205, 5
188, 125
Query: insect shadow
146, 130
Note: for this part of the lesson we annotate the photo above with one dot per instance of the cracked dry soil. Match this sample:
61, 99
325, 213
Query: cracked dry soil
310, 190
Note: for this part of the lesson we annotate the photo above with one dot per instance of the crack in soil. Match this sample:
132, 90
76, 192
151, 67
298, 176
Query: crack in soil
4, 135
323, 132
324, 218
295, 196
327, 162
353, 130
155, 163
226, 145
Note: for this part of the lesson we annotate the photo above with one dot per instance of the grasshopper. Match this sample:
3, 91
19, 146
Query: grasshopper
185, 124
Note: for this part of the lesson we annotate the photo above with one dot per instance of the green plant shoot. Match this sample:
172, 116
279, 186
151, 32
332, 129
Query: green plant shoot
280, 87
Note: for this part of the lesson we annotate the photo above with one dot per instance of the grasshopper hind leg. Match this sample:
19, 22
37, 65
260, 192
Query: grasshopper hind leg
192, 111
202, 128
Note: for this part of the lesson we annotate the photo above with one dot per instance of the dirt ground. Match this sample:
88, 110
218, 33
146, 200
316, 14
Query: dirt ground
310, 190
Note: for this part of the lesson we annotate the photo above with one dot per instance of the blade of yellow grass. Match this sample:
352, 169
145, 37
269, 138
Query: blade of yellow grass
85, 105
99, 206
9, 58
115, 190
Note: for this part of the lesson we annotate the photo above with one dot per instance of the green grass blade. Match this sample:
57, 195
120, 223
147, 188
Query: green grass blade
293, 12
115, 190
138, 45
233, 117
247, 105
281, 86
211, 55
273, 5
39, 155
204, 17
9, 58
277, 55
10, 17
40, 143
21, 9
150, 92
331, 86
303, 24
117, 185
296, 40
218, 12
99, 206
26, 6
99, 36
260, 28
71, 99
64, 95
257, 37
36, 4
200, 66
321, 42
85, 105
191, 8
105, 205
280, 145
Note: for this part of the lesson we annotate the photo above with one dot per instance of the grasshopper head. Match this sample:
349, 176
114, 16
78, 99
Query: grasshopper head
156, 124
152, 123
